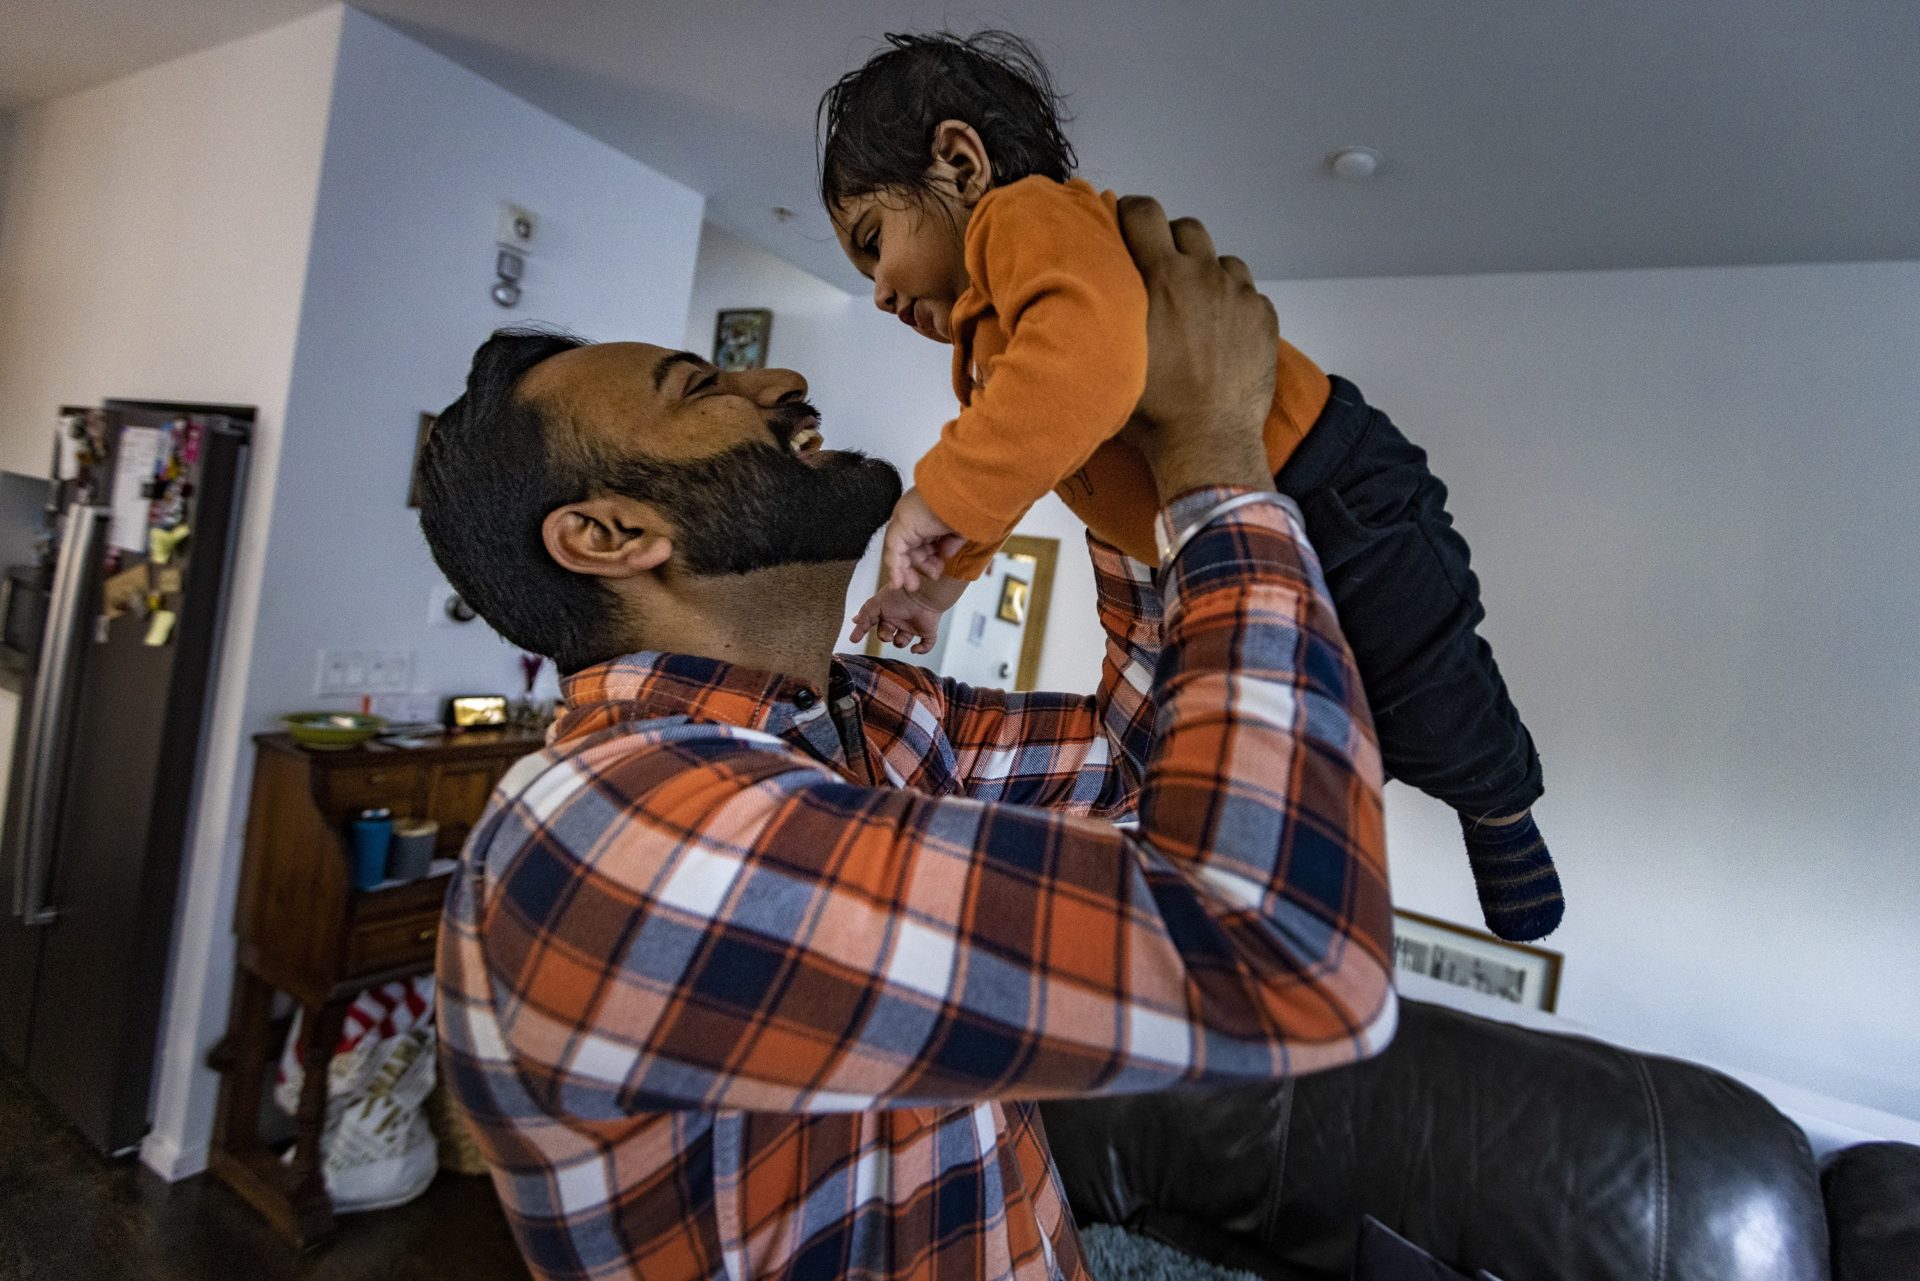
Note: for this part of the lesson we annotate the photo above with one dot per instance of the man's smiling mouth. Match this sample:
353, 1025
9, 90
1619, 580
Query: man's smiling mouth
798, 428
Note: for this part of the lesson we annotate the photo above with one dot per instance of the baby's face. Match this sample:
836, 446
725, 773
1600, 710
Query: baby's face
912, 246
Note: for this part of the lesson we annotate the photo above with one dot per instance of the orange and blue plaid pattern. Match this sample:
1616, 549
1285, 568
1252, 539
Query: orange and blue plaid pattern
743, 981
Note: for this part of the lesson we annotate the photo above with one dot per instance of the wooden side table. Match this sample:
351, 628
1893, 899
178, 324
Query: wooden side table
305, 930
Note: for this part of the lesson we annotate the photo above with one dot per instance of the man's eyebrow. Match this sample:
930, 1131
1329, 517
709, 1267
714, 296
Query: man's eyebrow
661, 370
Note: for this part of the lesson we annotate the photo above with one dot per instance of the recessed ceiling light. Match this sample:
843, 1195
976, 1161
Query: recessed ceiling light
1354, 162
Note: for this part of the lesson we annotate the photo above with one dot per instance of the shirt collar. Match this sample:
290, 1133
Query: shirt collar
651, 685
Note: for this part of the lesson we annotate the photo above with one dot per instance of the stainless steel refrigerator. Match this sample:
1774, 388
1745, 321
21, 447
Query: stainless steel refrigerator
133, 572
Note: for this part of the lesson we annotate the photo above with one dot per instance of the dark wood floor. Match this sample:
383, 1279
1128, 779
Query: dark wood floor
68, 1214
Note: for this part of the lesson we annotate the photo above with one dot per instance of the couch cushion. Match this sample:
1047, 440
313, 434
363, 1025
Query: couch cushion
1873, 1211
1385, 1255
1524, 1153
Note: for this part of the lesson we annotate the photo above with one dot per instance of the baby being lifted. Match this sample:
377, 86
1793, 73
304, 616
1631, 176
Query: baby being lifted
949, 181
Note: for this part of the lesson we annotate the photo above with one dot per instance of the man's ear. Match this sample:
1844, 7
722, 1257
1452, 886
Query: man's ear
960, 162
607, 537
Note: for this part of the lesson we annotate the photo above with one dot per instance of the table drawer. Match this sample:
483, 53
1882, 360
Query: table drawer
394, 787
391, 943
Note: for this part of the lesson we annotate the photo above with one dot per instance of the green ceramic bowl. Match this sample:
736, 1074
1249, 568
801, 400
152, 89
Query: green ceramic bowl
332, 729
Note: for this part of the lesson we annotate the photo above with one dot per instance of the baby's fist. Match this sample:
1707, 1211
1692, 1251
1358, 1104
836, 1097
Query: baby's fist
917, 544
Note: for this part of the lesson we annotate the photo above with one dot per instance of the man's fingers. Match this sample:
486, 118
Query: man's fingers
1236, 269
1192, 238
1143, 225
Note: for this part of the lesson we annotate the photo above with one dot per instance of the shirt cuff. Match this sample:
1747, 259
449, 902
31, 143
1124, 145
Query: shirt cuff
1192, 511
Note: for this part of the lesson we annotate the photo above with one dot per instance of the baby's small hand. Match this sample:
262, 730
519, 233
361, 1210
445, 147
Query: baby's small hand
917, 544
910, 619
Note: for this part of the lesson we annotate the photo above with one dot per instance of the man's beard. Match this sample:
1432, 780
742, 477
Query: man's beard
758, 505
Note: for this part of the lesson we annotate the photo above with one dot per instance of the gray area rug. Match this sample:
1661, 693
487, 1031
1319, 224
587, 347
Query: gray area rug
1115, 1254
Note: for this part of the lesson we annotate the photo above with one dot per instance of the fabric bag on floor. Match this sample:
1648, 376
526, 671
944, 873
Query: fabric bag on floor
377, 1148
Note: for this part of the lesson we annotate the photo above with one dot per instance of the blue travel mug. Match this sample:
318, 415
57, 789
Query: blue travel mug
372, 835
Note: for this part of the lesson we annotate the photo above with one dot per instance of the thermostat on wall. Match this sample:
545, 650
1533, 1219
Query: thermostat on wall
516, 228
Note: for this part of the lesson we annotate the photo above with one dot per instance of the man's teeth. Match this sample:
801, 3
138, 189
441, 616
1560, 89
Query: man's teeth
803, 440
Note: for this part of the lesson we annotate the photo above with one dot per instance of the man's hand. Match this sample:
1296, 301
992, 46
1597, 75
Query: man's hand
1211, 351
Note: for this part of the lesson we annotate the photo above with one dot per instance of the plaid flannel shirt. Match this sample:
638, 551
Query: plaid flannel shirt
739, 981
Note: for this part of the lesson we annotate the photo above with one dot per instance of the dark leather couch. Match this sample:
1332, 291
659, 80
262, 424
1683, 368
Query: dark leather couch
1537, 1157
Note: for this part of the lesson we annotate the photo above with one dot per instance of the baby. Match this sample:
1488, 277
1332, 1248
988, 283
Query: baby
950, 184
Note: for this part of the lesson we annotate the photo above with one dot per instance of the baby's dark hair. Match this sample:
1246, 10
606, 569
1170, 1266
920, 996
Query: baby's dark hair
875, 125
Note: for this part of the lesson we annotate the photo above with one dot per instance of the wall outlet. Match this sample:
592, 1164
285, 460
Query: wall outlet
342, 671
407, 709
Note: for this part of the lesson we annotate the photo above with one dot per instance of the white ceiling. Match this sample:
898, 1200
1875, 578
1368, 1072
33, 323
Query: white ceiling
1518, 134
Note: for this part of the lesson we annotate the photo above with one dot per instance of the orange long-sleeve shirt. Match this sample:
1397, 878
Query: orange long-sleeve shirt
1049, 359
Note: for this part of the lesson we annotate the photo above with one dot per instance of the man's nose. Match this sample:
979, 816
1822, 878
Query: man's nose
770, 387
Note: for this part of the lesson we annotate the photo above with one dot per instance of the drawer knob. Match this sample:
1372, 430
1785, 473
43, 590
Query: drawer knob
424, 935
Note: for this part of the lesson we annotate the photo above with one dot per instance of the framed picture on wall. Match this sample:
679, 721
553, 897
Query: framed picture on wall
1473, 959
740, 339
1013, 600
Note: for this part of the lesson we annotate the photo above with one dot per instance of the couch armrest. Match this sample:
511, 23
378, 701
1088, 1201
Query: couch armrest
1873, 1211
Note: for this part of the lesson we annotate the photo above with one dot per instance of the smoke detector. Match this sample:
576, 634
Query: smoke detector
1354, 162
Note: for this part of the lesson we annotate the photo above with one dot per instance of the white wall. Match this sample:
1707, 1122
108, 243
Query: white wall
419, 152
1689, 495
154, 234
883, 389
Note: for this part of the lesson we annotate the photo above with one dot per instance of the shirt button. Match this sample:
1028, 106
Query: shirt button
804, 699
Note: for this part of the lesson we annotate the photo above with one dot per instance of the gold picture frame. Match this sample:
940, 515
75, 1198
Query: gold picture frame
1013, 600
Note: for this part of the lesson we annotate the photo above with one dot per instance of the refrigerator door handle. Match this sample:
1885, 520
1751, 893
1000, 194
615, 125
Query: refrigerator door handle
48, 717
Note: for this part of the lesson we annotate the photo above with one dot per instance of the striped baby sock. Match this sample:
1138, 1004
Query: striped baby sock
1519, 890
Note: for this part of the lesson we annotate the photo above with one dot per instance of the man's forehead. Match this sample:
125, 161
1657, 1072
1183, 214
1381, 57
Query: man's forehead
602, 369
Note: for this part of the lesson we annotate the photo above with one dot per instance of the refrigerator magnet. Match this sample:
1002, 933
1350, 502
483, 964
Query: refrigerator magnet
161, 543
160, 628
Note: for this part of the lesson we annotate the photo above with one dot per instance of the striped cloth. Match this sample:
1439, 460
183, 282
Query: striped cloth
743, 980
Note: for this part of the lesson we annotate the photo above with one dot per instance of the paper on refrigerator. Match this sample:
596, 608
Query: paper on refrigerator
132, 469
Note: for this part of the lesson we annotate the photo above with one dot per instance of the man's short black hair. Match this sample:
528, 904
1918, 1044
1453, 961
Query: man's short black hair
493, 468
876, 123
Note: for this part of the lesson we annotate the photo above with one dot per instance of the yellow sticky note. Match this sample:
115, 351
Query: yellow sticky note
160, 629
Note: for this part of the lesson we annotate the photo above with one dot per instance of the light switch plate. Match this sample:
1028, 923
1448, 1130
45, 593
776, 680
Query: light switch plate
342, 671
389, 671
